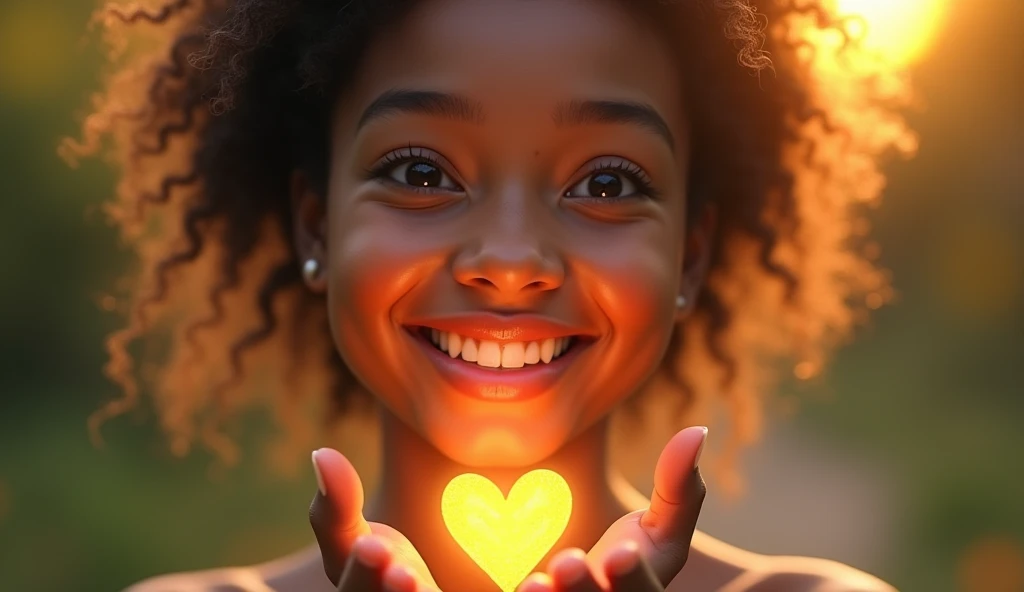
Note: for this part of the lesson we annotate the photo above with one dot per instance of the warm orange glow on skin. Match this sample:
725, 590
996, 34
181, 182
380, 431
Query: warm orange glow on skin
507, 538
901, 30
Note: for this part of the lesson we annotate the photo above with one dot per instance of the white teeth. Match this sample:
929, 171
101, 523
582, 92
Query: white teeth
454, 344
489, 354
547, 350
469, 350
532, 354
513, 355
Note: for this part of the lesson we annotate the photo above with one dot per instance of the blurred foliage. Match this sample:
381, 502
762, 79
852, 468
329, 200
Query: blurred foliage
931, 389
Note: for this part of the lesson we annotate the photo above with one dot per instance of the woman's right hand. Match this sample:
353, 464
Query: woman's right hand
359, 556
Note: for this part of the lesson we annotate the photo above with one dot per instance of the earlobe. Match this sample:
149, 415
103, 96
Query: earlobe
311, 270
308, 231
682, 307
696, 259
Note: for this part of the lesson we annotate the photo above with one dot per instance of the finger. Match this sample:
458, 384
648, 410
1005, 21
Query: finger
571, 573
402, 578
366, 563
675, 503
537, 582
399, 578
626, 571
336, 513
405, 553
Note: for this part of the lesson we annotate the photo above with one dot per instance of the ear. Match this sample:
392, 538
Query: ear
697, 252
309, 229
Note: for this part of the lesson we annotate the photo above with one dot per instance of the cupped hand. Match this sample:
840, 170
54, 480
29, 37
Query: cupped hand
359, 556
644, 550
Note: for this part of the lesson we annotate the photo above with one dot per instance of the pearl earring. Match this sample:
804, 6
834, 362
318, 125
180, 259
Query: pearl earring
311, 270
680, 301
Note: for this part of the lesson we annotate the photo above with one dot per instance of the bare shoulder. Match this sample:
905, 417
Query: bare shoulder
214, 580
807, 574
299, 572
715, 565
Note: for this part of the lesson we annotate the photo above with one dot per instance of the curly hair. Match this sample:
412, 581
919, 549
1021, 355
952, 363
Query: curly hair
790, 118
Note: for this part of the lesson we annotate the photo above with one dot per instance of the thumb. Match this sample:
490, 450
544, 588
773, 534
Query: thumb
675, 503
336, 513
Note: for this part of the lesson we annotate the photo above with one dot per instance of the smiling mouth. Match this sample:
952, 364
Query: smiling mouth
508, 355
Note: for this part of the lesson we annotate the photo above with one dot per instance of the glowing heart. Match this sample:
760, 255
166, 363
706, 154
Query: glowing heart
507, 538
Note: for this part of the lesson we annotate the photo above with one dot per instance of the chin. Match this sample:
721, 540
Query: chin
497, 446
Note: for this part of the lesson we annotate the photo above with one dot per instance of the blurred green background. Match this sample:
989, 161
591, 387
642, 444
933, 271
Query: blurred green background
929, 397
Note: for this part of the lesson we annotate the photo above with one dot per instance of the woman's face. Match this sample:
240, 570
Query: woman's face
507, 182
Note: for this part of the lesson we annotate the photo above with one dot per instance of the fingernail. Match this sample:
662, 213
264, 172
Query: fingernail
398, 578
624, 560
537, 582
572, 567
700, 449
370, 551
319, 478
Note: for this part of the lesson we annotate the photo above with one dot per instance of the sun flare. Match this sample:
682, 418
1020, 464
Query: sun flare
901, 30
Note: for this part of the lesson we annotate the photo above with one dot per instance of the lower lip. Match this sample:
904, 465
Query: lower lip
498, 384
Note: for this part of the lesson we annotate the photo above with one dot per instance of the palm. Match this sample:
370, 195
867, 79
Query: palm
343, 534
403, 550
627, 528
663, 531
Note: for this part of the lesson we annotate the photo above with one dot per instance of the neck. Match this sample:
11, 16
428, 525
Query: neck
414, 475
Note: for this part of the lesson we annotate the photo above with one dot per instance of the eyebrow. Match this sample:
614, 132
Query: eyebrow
630, 113
422, 102
458, 107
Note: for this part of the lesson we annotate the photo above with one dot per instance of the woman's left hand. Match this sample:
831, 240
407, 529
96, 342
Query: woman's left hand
644, 550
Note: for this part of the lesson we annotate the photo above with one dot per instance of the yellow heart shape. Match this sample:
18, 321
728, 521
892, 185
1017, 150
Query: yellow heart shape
507, 538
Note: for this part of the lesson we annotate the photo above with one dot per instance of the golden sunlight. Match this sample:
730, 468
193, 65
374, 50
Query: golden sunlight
901, 30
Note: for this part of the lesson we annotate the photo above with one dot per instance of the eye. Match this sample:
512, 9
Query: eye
421, 173
603, 184
614, 179
416, 168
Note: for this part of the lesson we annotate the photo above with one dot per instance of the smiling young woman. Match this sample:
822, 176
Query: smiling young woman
501, 221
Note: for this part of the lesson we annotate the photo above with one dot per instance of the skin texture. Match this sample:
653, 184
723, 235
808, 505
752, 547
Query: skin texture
501, 236
508, 242
659, 535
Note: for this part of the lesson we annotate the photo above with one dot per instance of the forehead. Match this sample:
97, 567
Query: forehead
519, 56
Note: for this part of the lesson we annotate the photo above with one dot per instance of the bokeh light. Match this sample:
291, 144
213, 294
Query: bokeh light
913, 429
992, 564
900, 30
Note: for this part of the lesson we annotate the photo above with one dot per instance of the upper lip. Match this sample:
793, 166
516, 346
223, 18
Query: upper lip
503, 328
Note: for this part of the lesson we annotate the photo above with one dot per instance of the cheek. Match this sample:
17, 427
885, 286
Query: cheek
632, 276
373, 265
634, 289
637, 296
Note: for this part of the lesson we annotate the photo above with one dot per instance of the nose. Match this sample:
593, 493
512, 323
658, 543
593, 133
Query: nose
509, 257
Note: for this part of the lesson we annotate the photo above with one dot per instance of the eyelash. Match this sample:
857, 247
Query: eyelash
381, 170
636, 175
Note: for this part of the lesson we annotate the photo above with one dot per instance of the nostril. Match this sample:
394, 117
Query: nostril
481, 282
485, 283
509, 268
